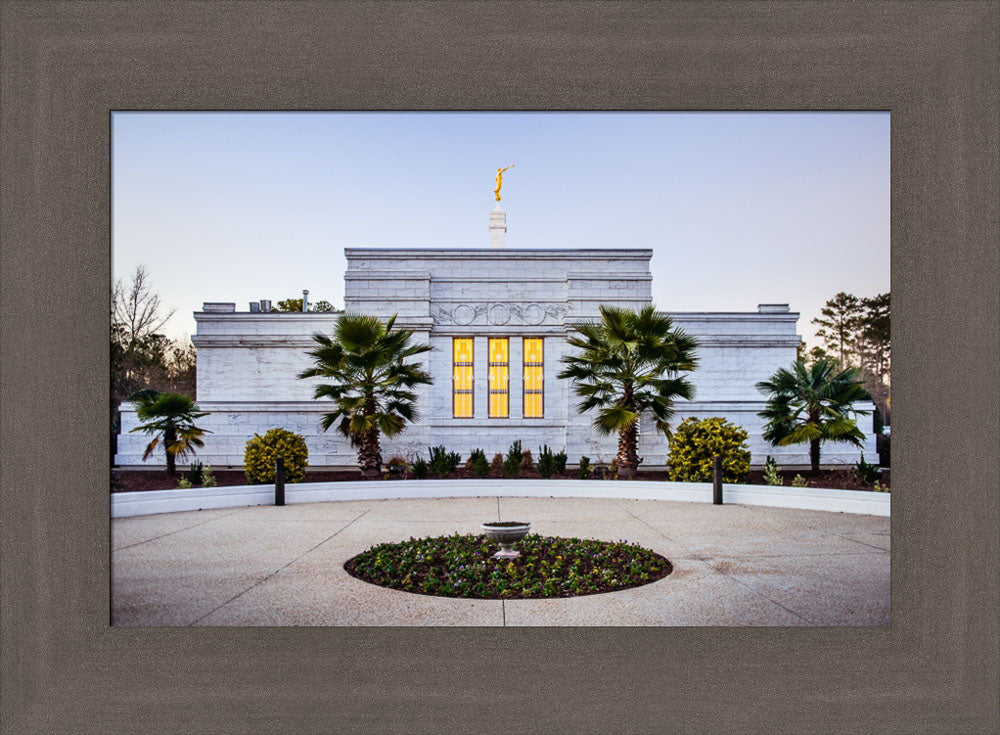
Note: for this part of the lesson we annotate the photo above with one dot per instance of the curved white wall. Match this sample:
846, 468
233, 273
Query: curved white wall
171, 501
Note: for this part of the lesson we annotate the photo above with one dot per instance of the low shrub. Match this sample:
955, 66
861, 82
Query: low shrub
443, 462
800, 481
195, 474
559, 462
584, 470
397, 467
496, 466
420, 468
512, 463
478, 462
696, 442
610, 472
198, 476
546, 461
772, 473
527, 463
262, 452
207, 478
867, 473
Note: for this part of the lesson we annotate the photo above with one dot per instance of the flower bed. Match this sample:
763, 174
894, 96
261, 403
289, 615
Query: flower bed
462, 566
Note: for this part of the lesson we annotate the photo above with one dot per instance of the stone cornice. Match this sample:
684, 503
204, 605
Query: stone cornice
499, 253
268, 317
723, 316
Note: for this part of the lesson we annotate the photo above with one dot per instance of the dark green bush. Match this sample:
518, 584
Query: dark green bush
546, 461
696, 442
867, 473
195, 474
420, 468
480, 465
559, 462
584, 470
443, 462
512, 463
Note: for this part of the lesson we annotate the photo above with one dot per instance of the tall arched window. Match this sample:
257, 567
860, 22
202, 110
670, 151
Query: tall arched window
499, 376
462, 378
534, 377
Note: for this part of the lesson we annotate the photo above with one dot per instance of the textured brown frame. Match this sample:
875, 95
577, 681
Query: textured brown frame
65, 65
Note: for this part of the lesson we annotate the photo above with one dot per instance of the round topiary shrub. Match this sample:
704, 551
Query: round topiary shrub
262, 452
695, 442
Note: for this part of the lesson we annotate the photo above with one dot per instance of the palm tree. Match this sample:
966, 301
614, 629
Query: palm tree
812, 404
169, 417
629, 362
371, 382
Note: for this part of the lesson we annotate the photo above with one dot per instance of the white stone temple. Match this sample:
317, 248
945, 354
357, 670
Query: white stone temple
497, 319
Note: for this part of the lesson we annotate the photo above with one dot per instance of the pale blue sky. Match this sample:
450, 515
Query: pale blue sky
738, 208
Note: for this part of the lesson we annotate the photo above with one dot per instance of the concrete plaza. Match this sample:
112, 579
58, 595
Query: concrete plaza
266, 565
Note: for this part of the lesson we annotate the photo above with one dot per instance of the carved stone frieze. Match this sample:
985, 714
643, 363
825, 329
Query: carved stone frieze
498, 314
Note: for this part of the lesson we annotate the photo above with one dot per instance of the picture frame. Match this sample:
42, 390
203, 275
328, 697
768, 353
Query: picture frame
66, 66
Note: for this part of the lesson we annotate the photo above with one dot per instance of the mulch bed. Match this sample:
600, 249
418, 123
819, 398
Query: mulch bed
832, 479
138, 480
463, 566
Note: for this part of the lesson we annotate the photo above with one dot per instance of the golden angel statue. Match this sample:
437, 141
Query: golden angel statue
496, 182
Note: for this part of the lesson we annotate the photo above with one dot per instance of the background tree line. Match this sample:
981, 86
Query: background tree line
855, 333
141, 357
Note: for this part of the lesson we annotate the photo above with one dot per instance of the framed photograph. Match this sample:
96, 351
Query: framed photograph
568, 347
931, 68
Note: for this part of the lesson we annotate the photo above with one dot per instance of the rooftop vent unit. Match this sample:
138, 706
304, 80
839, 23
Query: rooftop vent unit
265, 305
254, 307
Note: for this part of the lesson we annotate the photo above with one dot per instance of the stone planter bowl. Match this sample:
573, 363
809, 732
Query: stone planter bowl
506, 534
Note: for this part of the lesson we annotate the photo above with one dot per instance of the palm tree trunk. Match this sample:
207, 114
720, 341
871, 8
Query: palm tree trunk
628, 455
814, 454
369, 455
628, 440
169, 437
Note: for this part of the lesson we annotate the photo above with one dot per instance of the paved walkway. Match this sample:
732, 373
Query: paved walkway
733, 564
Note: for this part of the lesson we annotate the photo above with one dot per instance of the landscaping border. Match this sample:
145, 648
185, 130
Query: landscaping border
150, 502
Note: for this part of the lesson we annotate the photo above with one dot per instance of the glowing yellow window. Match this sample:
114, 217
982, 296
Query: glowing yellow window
462, 378
534, 377
499, 377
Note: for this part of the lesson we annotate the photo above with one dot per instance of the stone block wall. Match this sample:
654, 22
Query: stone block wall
248, 362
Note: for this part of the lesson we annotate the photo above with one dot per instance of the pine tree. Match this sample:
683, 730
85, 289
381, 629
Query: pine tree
841, 318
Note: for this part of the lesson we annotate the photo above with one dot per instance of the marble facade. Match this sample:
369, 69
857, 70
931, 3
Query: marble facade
248, 361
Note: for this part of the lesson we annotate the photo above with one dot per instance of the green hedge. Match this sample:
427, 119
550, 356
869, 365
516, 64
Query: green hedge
262, 452
695, 442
